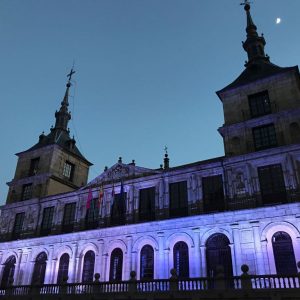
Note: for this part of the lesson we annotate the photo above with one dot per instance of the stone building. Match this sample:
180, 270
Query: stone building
239, 208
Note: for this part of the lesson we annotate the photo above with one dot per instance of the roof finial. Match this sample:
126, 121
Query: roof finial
166, 159
70, 74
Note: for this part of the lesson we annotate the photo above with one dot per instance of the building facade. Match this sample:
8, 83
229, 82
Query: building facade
242, 208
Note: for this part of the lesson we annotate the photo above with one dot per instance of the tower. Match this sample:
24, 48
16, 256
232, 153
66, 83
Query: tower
262, 106
53, 165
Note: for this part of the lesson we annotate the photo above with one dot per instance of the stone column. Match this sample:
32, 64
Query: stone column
73, 266
166, 263
258, 250
196, 261
99, 260
237, 250
105, 268
127, 264
53, 273
161, 266
134, 261
266, 264
17, 268
233, 255
203, 272
48, 273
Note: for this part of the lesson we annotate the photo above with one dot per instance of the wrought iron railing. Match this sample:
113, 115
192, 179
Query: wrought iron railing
249, 282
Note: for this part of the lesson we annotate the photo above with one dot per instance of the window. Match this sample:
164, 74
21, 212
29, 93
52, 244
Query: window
147, 262
272, 186
213, 194
34, 164
178, 199
147, 204
118, 209
47, 220
63, 269
218, 253
69, 217
39, 269
116, 264
88, 267
259, 104
264, 137
8, 272
284, 255
92, 215
181, 259
27, 191
68, 170
18, 225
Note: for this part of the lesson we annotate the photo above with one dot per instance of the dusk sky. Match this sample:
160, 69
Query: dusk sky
146, 73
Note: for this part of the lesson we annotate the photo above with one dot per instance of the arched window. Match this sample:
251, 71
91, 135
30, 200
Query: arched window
284, 254
63, 268
147, 262
39, 269
181, 259
88, 267
116, 263
218, 253
8, 272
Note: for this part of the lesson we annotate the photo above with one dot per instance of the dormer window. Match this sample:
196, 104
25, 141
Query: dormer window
68, 170
34, 165
259, 104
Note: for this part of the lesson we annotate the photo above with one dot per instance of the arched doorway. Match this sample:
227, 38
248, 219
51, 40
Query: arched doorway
39, 269
88, 267
218, 253
63, 268
284, 255
8, 272
147, 262
116, 265
181, 259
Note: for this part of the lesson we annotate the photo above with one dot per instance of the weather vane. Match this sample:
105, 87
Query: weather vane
246, 2
166, 149
70, 74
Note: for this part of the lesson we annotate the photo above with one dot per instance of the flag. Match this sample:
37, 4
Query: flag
89, 199
101, 194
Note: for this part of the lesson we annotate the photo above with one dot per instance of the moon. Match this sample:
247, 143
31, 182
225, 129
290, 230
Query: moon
278, 20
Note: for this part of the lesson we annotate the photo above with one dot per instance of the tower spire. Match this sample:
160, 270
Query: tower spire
63, 115
254, 44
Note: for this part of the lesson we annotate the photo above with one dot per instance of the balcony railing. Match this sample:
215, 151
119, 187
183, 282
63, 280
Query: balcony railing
195, 285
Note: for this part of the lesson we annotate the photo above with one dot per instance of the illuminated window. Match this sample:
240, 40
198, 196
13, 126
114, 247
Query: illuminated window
181, 259
259, 104
178, 199
272, 186
39, 270
47, 220
68, 170
147, 262
213, 194
69, 217
27, 191
264, 137
34, 164
147, 204
63, 269
284, 255
116, 264
18, 225
88, 267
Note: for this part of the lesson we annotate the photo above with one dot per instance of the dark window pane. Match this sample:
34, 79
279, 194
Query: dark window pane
147, 204
69, 217
34, 164
8, 272
68, 170
118, 209
88, 267
18, 225
63, 269
116, 264
147, 262
92, 215
259, 104
181, 259
178, 199
27, 191
264, 137
272, 186
284, 255
47, 220
213, 193
39, 269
